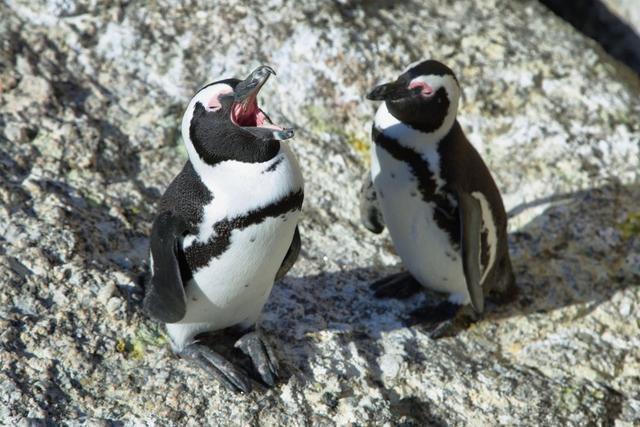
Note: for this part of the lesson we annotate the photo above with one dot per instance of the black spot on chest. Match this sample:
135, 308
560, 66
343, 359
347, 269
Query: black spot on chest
274, 165
199, 254
445, 214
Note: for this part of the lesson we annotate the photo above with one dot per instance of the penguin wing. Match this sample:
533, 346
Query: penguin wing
165, 299
370, 213
470, 228
291, 256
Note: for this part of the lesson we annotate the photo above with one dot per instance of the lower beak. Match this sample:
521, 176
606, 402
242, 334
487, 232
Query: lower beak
391, 91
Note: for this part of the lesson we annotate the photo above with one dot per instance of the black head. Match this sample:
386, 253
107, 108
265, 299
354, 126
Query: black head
224, 122
425, 96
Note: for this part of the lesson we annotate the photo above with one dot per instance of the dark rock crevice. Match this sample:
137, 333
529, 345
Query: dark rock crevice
595, 20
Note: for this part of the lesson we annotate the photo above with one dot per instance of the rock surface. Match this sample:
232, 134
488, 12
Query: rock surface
90, 100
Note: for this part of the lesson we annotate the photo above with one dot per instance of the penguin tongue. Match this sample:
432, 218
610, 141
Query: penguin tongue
244, 114
248, 114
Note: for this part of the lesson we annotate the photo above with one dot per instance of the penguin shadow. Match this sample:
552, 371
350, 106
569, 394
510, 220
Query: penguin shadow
574, 253
101, 240
557, 259
302, 309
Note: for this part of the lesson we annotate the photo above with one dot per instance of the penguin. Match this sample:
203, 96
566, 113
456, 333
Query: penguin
226, 228
435, 195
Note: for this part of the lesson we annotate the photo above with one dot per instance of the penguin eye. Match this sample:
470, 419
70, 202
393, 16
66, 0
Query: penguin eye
425, 89
214, 106
215, 101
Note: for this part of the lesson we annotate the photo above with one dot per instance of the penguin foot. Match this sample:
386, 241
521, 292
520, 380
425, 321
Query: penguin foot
218, 367
265, 362
507, 296
399, 285
444, 320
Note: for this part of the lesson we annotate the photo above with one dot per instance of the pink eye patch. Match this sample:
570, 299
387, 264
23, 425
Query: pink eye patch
425, 89
214, 101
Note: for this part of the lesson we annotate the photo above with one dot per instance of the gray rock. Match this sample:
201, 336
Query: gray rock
99, 92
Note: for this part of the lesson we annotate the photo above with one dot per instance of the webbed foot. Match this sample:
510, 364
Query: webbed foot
255, 346
218, 367
399, 285
443, 320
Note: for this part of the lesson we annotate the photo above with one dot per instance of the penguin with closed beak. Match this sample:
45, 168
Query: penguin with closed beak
437, 198
226, 228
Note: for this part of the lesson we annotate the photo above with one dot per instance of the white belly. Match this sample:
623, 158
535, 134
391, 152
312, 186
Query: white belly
424, 248
234, 286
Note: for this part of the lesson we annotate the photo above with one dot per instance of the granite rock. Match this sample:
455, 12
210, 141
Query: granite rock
91, 96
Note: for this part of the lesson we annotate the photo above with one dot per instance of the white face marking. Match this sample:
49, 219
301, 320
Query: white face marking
213, 103
206, 97
453, 92
490, 227
413, 64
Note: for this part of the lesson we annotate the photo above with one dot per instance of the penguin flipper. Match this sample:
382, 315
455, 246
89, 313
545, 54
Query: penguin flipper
291, 256
370, 213
470, 228
165, 298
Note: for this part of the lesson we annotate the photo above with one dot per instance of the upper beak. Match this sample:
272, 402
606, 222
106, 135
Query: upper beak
391, 91
249, 87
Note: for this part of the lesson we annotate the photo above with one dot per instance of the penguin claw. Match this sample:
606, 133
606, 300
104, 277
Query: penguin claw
262, 356
399, 285
444, 320
218, 367
442, 330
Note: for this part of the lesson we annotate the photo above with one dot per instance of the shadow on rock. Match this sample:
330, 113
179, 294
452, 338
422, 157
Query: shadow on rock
577, 253
106, 238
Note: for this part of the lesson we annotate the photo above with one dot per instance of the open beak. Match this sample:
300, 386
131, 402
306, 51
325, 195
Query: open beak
245, 111
392, 91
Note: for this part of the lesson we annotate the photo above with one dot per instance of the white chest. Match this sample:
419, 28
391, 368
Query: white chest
248, 218
240, 188
426, 250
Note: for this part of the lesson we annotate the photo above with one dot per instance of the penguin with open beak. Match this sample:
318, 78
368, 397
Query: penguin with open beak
226, 228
